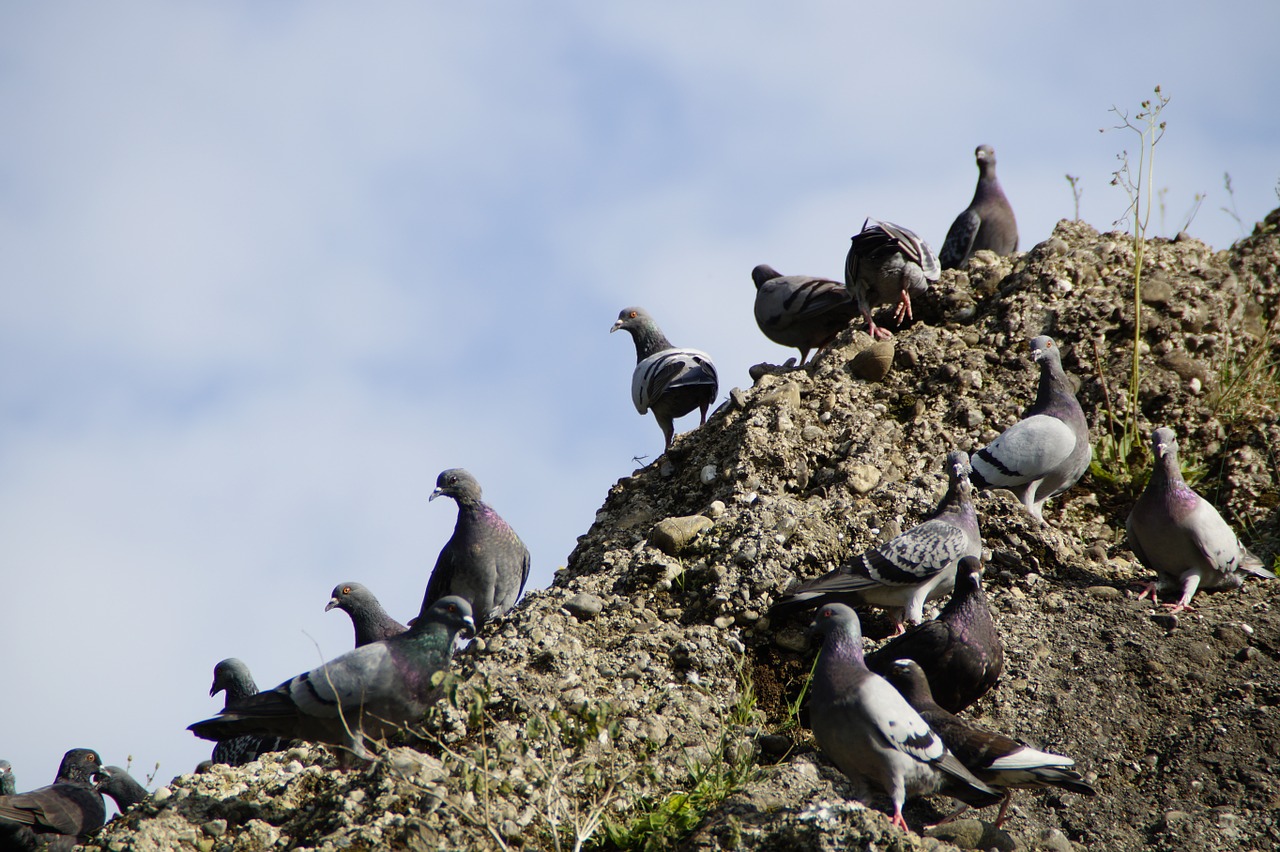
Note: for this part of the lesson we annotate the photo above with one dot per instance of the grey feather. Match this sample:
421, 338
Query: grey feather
1047, 451
800, 310
669, 381
58, 816
370, 620
987, 223
484, 560
888, 263
1180, 535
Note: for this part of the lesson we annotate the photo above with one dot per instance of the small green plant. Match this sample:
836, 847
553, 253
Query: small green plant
1250, 383
1076, 192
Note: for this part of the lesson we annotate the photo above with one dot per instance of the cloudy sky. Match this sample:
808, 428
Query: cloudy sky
267, 268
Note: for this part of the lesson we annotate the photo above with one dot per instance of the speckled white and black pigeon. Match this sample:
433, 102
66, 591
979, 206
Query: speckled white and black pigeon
1047, 451
59, 816
233, 678
122, 787
669, 381
988, 221
1179, 535
999, 761
370, 620
960, 650
8, 783
484, 561
367, 693
903, 573
888, 263
870, 732
800, 310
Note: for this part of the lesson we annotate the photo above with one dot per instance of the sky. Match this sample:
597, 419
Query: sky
266, 269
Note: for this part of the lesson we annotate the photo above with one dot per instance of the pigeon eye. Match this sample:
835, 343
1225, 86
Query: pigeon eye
632, 315
346, 590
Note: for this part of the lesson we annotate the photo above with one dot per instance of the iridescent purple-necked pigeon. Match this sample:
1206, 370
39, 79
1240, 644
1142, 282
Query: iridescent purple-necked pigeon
1000, 761
1047, 451
668, 381
60, 815
987, 223
484, 561
871, 733
233, 678
800, 310
1179, 535
903, 573
959, 651
370, 620
888, 263
367, 693
122, 787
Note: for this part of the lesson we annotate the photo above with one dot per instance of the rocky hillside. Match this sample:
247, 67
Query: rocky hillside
646, 701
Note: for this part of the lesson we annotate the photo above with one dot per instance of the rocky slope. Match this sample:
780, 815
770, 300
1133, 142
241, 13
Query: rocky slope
645, 700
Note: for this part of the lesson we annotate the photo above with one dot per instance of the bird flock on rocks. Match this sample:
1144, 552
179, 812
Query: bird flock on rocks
887, 719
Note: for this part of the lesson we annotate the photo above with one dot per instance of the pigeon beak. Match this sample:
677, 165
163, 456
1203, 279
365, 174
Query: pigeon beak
333, 602
435, 494
617, 325
1162, 449
470, 625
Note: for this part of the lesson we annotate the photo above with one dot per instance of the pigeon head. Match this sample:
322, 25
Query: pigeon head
645, 333
632, 319
347, 597
453, 611
836, 618
1043, 347
8, 786
910, 680
120, 786
232, 675
458, 484
984, 154
969, 572
762, 273
79, 764
1164, 443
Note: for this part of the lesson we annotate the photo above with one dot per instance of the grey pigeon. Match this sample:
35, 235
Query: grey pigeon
370, 692
1047, 451
903, 573
800, 310
1179, 535
870, 732
668, 381
8, 784
232, 678
988, 221
123, 789
484, 561
371, 621
58, 816
888, 263
960, 650
999, 761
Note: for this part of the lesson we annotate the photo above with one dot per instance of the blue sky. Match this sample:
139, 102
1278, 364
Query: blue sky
266, 269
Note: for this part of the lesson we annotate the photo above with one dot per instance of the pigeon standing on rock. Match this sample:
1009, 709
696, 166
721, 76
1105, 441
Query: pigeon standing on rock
123, 789
871, 733
960, 650
888, 263
1047, 451
903, 573
1000, 761
58, 816
669, 381
1179, 535
8, 784
371, 621
484, 561
800, 310
370, 692
232, 678
987, 223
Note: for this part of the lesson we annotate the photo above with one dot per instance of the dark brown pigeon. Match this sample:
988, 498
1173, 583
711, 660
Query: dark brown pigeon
801, 310
959, 651
484, 560
988, 221
232, 677
1000, 761
58, 816
123, 789
888, 263
371, 621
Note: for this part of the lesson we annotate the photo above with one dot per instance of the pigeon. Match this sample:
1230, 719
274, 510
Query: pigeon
232, 678
8, 784
369, 692
484, 561
669, 381
870, 732
887, 263
800, 310
1047, 451
58, 816
959, 651
987, 223
903, 573
1179, 535
370, 620
999, 761
121, 787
